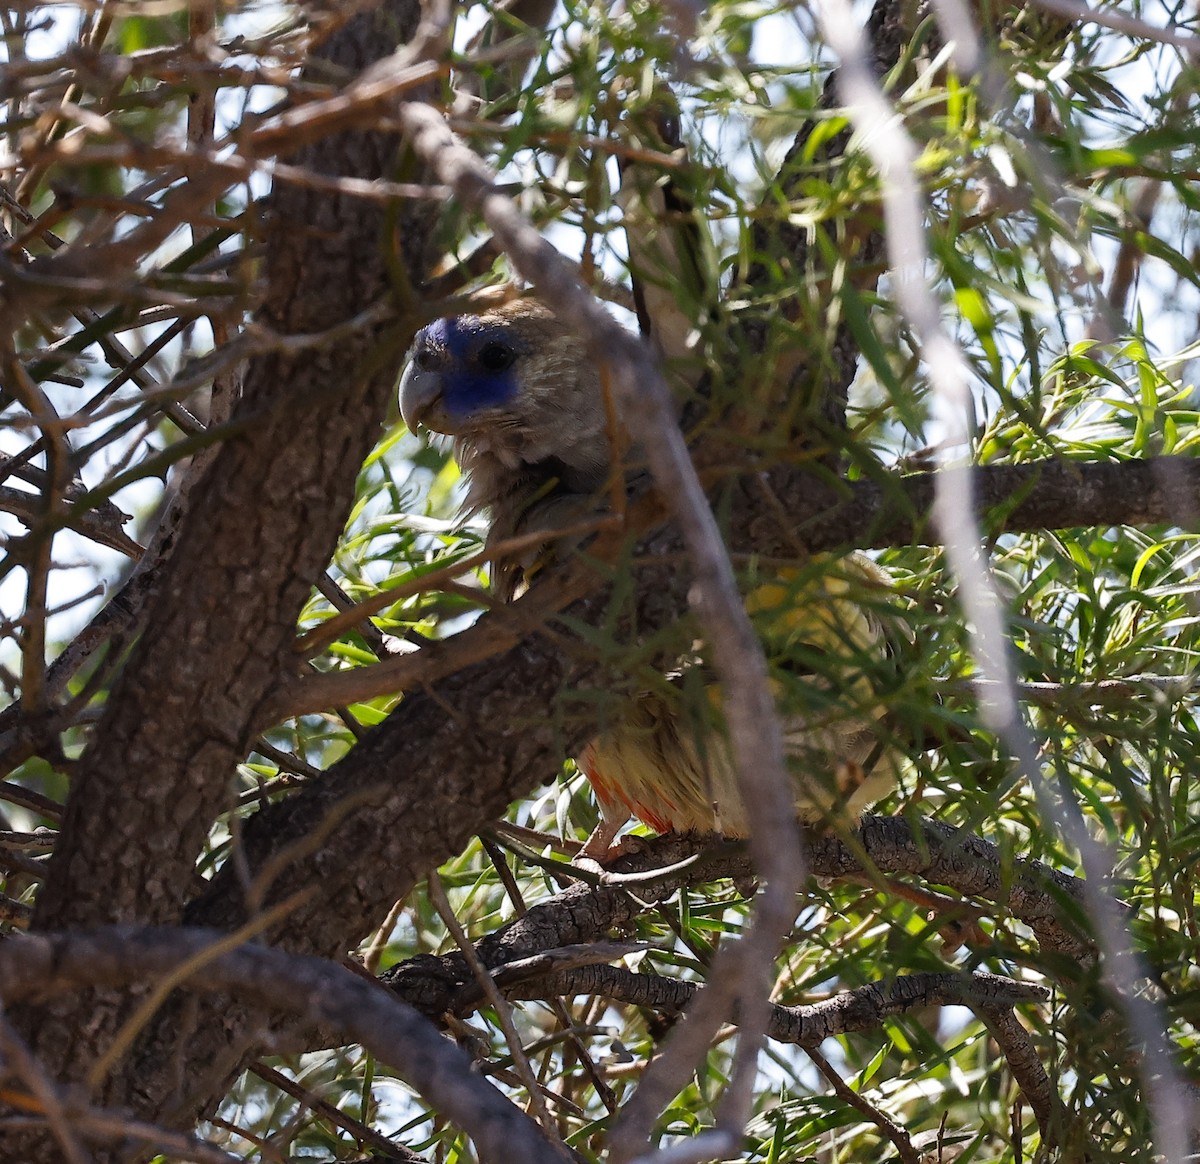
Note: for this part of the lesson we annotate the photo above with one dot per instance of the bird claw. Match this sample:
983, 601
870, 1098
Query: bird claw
596, 858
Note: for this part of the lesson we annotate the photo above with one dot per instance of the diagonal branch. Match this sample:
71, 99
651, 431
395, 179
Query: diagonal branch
319, 993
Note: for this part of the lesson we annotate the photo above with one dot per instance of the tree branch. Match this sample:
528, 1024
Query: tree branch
1041, 495
1043, 898
317, 992
865, 1008
1023, 1061
258, 532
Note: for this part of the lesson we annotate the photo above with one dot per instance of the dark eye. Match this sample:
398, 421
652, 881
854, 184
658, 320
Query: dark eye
496, 357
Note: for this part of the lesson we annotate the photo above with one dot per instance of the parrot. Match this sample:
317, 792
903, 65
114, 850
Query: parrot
523, 401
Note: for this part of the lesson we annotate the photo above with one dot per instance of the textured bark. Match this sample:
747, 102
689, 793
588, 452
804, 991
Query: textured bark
260, 530
810, 514
866, 1008
1021, 1056
1048, 901
314, 991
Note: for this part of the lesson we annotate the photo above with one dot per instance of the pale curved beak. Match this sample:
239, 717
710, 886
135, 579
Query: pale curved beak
420, 394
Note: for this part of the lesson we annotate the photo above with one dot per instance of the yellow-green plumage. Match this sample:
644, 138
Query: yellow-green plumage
823, 640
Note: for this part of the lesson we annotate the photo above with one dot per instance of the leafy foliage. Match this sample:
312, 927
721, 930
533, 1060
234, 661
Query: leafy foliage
1060, 218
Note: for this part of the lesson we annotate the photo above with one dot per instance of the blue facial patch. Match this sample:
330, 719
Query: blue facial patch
476, 361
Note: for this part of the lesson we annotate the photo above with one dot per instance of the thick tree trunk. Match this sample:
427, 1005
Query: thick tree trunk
259, 533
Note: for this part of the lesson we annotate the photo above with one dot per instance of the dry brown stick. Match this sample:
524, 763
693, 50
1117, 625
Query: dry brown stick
28, 798
365, 1135
95, 28
96, 524
269, 1149
236, 168
524, 1070
899, 1138
105, 514
70, 273
37, 548
331, 629
501, 632
379, 939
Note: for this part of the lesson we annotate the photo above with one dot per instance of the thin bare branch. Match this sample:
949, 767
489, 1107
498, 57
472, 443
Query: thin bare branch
524, 1072
1118, 21
381, 1146
891, 1130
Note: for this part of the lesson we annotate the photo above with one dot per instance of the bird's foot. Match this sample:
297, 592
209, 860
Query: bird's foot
598, 858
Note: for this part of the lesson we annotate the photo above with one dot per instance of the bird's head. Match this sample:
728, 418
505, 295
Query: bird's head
462, 371
519, 394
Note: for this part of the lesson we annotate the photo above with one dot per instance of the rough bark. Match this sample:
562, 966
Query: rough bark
259, 532
866, 1008
313, 991
1045, 899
